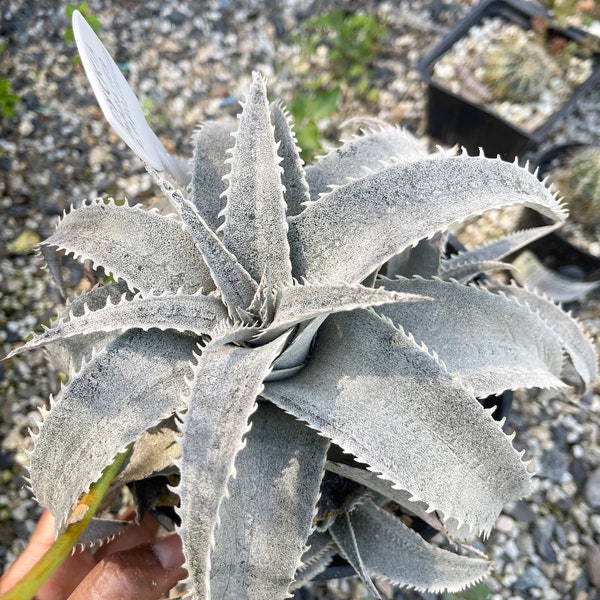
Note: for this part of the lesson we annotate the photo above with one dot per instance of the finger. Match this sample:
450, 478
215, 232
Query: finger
133, 536
76, 567
128, 514
147, 571
41, 540
66, 578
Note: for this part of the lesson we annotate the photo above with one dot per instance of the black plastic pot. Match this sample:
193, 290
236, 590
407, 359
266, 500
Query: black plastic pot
454, 119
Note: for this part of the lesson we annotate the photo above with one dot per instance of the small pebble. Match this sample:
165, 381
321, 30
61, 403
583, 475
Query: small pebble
591, 489
532, 577
504, 524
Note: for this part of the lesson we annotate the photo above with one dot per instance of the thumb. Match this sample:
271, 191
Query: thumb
147, 571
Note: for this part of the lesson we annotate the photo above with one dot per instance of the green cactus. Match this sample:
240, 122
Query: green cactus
581, 186
517, 69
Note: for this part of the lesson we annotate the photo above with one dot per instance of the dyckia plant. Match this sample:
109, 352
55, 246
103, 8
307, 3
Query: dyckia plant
296, 360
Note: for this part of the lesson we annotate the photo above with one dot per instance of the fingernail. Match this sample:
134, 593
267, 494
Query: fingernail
168, 551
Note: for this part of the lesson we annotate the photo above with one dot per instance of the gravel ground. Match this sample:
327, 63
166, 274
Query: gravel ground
190, 62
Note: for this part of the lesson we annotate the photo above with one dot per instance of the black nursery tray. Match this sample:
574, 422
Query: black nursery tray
454, 119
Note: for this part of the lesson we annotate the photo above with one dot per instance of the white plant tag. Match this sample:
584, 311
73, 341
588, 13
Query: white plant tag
119, 103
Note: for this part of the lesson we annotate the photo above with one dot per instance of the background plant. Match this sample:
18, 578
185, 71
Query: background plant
517, 68
348, 45
8, 99
573, 13
503, 66
84, 10
578, 180
480, 591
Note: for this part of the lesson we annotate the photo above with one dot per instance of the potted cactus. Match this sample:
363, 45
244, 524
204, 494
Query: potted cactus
516, 68
574, 170
504, 75
578, 181
269, 352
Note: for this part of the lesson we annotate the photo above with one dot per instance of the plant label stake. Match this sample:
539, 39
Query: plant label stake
119, 103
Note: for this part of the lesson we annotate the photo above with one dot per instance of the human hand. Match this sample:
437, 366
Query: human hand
135, 565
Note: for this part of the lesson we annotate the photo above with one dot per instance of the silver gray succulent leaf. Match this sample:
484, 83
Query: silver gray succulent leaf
491, 252
334, 394
363, 154
370, 230
296, 193
424, 259
500, 353
531, 273
289, 456
408, 560
576, 342
320, 550
211, 142
257, 333
386, 489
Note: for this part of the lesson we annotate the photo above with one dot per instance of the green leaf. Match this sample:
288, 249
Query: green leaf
309, 139
324, 103
91, 19
65, 543
298, 107
24, 243
481, 591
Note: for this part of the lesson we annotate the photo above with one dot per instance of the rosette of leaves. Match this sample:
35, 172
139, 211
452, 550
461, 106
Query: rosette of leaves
247, 348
